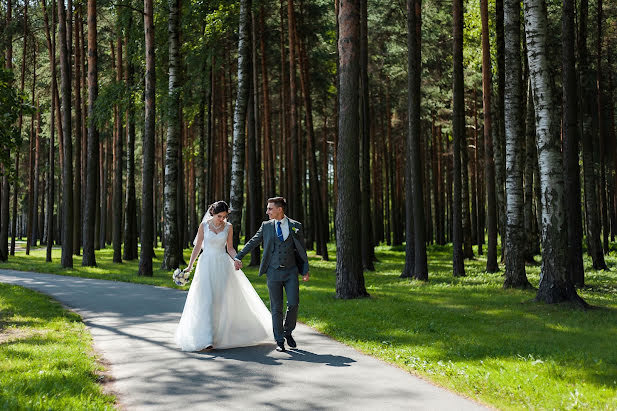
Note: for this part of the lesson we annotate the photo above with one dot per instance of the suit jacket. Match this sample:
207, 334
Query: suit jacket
267, 235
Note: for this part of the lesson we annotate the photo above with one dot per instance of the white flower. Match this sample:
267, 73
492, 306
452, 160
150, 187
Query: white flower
296, 229
180, 277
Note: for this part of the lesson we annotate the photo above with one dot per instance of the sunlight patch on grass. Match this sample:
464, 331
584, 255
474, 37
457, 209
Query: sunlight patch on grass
46, 360
467, 334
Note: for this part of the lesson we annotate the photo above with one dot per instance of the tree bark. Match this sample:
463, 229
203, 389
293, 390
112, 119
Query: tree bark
498, 133
458, 135
67, 166
555, 283
148, 170
173, 250
295, 192
590, 133
130, 219
117, 155
571, 146
238, 158
77, 197
515, 241
366, 228
349, 276
415, 258
489, 161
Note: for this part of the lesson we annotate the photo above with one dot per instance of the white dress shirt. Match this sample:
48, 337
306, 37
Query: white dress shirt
284, 227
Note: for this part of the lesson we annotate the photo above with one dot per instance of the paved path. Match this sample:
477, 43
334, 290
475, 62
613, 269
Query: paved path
133, 325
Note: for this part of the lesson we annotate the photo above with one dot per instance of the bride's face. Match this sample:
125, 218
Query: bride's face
220, 217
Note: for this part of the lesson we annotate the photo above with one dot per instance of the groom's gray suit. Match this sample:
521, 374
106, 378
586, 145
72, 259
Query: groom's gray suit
281, 261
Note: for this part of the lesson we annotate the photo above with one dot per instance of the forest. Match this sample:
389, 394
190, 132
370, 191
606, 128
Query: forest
486, 124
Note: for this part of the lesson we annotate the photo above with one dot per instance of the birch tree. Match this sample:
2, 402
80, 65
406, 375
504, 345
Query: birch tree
236, 195
172, 255
515, 246
555, 283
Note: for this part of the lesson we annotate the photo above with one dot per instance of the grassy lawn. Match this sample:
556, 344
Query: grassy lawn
46, 362
466, 334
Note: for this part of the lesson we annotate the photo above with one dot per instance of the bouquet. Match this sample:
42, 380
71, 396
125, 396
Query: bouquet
180, 277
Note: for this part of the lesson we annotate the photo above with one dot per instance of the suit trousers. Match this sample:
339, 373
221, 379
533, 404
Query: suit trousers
277, 280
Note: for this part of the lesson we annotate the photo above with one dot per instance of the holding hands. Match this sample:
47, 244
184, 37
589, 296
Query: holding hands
237, 264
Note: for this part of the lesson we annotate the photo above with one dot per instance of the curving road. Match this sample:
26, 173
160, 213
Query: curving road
132, 326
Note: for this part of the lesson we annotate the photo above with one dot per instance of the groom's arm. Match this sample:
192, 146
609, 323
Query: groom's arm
300, 237
253, 242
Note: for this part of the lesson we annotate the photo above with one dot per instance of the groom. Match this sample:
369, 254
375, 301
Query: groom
283, 259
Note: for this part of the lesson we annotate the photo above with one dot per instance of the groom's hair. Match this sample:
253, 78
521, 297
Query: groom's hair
279, 202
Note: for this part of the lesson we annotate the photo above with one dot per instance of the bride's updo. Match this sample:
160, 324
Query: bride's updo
218, 207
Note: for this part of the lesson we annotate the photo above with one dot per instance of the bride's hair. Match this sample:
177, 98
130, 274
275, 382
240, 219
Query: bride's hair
218, 207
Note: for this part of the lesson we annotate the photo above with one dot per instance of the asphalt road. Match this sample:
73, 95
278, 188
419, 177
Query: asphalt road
133, 325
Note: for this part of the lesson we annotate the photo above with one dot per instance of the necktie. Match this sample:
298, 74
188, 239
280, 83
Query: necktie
279, 232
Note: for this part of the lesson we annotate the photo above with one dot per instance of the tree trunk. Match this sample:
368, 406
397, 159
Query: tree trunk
531, 238
89, 258
77, 215
171, 257
571, 147
4, 186
489, 160
415, 258
36, 232
253, 136
236, 195
555, 283
67, 166
31, 204
498, 133
130, 219
366, 228
466, 215
515, 240
295, 192
349, 276
148, 170
269, 176
590, 133
458, 135
320, 221
117, 155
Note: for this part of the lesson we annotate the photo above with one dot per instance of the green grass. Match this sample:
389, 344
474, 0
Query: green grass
46, 362
466, 334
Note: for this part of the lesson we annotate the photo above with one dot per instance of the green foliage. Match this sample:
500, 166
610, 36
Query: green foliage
46, 360
11, 104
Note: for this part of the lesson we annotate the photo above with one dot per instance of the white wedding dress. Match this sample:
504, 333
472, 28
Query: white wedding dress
222, 308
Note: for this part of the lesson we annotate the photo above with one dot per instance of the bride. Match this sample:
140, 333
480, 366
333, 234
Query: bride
222, 308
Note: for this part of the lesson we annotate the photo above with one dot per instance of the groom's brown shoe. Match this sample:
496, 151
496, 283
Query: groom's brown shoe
280, 346
290, 341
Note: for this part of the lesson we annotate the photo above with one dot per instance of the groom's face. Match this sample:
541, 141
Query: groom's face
274, 212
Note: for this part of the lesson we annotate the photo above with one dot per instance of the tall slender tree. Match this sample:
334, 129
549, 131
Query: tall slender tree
571, 145
555, 282
590, 133
67, 166
366, 230
77, 215
349, 276
458, 135
514, 140
117, 175
238, 159
130, 219
148, 170
173, 238
489, 161
415, 260
89, 257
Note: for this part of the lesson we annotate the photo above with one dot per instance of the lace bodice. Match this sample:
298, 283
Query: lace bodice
215, 242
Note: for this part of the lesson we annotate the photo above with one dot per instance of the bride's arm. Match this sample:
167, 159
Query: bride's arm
197, 248
230, 243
